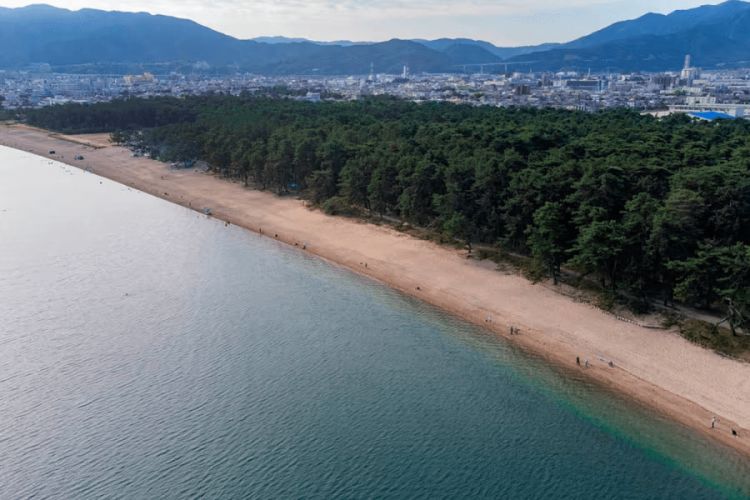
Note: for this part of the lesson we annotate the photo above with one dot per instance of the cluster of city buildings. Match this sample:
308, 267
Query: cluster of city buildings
706, 94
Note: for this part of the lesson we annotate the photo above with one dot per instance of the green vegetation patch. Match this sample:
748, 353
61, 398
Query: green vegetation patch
719, 339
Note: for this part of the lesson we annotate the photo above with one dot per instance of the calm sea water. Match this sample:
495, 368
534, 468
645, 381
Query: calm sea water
149, 352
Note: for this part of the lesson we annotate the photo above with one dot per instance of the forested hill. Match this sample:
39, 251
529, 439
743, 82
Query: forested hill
653, 207
90, 40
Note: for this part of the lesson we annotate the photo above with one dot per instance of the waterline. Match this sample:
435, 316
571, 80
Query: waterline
153, 352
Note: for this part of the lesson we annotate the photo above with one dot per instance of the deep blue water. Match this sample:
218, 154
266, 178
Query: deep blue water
149, 352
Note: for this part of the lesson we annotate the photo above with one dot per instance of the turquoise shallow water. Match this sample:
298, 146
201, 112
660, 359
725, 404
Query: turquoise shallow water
149, 352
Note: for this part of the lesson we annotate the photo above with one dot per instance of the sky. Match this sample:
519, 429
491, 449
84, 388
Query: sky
503, 22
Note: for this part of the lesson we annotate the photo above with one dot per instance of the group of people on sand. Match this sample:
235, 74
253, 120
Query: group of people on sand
276, 235
714, 420
586, 363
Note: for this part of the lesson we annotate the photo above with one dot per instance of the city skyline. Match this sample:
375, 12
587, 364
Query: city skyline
506, 23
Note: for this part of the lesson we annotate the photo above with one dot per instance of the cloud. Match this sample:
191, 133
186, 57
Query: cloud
386, 8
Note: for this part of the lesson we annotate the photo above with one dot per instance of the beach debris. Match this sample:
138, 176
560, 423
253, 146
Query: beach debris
51, 151
207, 211
734, 433
78, 157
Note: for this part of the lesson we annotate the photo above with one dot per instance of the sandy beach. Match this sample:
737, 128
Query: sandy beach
656, 368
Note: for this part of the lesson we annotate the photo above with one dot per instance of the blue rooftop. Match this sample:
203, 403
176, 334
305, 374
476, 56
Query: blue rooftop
711, 115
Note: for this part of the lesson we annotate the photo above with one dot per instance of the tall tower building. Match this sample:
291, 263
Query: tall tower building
689, 73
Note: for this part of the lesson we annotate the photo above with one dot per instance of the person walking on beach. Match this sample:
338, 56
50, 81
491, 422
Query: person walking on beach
578, 360
586, 363
713, 422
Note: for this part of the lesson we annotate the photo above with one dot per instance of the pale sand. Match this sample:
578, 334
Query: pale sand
656, 368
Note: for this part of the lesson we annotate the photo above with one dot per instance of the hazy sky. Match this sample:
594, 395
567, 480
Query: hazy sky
504, 22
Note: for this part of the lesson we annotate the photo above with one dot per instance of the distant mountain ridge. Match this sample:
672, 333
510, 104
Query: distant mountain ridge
715, 35
440, 44
65, 39
661, 24
284, 39
444, 44
95, 40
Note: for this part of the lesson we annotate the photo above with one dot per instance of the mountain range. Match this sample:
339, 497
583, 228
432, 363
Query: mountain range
101, 41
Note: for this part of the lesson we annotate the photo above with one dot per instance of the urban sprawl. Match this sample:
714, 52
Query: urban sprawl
705, 94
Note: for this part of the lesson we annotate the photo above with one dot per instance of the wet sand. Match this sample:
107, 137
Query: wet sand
656, 368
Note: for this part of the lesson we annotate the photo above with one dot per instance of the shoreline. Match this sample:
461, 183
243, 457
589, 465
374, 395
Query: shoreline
656, 369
